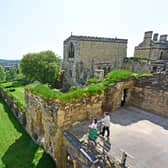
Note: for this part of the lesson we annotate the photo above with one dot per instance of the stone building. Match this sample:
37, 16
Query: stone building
153, 48
83, 55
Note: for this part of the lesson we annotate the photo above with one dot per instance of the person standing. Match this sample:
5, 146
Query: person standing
106, 124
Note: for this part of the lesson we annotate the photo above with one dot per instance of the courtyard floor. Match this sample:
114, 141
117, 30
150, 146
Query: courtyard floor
143, 135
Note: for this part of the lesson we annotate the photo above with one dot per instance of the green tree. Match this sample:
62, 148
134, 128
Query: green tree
11, 74
43, 66
2, 73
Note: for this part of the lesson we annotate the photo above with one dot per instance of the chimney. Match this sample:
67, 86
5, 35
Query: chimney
163, 37
148, 35
147, 38
155, 37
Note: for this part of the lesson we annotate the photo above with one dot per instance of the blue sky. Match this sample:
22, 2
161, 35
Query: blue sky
38, 25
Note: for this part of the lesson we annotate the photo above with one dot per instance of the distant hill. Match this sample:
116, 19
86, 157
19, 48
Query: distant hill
4, 62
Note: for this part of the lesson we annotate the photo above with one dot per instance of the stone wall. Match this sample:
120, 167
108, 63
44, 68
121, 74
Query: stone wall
101, 53
151, 95
144, 52
136, 66
48, 119
113, 95
70, 65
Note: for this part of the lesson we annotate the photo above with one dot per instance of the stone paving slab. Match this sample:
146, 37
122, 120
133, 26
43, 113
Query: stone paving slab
143, 135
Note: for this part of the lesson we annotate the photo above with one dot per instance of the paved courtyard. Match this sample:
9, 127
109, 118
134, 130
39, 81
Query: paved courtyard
144, 136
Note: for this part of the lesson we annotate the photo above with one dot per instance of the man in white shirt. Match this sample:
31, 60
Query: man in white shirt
106, 124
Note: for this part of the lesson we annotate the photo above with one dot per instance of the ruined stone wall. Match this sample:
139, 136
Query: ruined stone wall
152, 97
112, 95
48, 119
41, 116
144, 52
152, 53
137, 66
155, 53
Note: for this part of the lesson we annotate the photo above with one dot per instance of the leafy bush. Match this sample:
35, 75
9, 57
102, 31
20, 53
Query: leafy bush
94, 89
118, 75
43, 90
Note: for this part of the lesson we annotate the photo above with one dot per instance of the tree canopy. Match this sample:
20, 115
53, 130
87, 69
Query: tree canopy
43, 66
2, 73
11, 74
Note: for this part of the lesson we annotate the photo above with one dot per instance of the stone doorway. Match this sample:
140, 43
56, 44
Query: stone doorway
69, 161
124, 97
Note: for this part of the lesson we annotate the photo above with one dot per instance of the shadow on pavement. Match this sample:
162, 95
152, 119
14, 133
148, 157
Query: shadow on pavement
129, 115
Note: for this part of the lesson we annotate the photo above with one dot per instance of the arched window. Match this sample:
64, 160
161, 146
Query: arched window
71, 51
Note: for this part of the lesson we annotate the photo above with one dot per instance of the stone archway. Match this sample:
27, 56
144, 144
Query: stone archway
69, 161
124, 97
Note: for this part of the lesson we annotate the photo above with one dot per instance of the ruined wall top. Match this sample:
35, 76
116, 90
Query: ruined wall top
163, 37
149, 34
158, 81
99, 39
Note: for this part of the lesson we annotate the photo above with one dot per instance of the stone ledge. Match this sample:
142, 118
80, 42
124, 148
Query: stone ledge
99, 39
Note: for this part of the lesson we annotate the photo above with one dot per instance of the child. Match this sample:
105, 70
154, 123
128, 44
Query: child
93, 132
94, 124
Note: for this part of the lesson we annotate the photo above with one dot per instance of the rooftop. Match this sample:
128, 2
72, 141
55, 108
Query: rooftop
92, 38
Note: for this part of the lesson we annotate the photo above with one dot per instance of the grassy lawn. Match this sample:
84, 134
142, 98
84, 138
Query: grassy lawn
17, 150
16, 90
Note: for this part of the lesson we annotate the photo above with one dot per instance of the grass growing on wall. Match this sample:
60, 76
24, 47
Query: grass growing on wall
92, 89
47, 93
16, 89
17, 150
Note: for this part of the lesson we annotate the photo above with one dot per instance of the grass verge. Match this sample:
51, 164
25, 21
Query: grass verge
17, 150
15, 91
